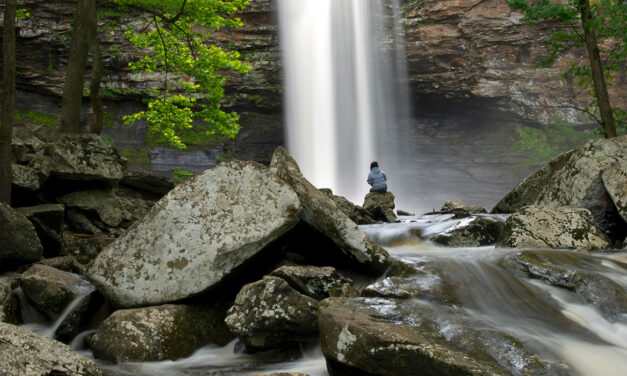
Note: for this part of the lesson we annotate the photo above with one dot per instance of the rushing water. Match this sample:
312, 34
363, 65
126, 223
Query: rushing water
344, 88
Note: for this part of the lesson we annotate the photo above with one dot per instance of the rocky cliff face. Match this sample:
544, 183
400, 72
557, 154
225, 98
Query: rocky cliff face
477, 52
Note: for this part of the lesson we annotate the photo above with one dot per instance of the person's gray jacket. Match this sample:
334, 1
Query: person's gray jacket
377, 179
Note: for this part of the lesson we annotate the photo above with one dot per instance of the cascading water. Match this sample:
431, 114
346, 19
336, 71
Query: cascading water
344, 93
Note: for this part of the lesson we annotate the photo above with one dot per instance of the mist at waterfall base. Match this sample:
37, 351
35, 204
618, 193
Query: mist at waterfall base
346, 93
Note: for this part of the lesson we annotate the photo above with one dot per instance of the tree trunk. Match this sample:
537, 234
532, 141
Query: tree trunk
598, 80
75, 75
96, 72
8, 100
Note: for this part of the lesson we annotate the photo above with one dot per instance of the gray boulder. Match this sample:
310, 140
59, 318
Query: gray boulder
615, 181
356, 213
324, 216
48, 220
573, 179
269, 313
51, 290
25, 353
380, 206
148, 182
85, 157
460, 205
24, 142
542, 227
101, 201
26, 178
19, 243
196, 235
374, 336
316, 282
471, 232
159, 333
9, 306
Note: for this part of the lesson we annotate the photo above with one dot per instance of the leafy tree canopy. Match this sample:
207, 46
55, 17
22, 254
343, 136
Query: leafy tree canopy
609, 24
192, 86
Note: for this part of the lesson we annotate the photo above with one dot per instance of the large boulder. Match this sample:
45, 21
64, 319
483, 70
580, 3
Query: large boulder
542, 227
356, 213
374, 336
380, 206
316, 282
470, 232
158, 333
196, 235
51, 290
324, 216
19, 243
573, 179
9, 306
23, 352
615, 181
85, 157
269, 313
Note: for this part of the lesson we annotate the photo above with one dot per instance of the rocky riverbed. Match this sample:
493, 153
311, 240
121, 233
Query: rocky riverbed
129, 270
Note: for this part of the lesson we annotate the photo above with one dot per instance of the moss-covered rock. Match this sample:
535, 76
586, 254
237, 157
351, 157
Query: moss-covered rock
323, 215
25, 353
196, 235
9, 306
159, 332
316, 282
19, 243
543, 227
269, 313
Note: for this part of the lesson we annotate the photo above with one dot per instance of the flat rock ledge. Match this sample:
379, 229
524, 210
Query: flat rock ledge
322, 214
541, 227
23, 352
196, 235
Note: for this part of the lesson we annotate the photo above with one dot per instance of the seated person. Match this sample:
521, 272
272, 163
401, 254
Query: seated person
377, 179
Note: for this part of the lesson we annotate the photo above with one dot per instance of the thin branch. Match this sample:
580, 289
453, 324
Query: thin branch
165, 55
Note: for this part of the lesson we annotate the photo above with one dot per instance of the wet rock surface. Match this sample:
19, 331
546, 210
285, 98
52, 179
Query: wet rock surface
269, 313
9, 306
19, 243
26, 353
392, 337
316, 282
159, 332
574, 179
380, 206
322, 214
543, 227
196, 235
471, 232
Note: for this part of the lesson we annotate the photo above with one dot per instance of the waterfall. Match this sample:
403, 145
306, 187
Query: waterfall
344, 94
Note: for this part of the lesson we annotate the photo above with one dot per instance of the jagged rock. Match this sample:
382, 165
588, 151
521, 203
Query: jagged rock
615, 181
48, 221
380, 206
101, 201
471, 232
196, 235
85, 157
19, 243
51, 290
9, 306
24, 142
26, 353
574, 179
541, 227
316, 282
322, 214
84, 246
148, 182
269, 313
133, 209
374, 336
159, 333
40, 162
356, 213
572, 271
26, 178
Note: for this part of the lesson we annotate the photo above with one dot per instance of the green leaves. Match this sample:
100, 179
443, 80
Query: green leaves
192, 85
